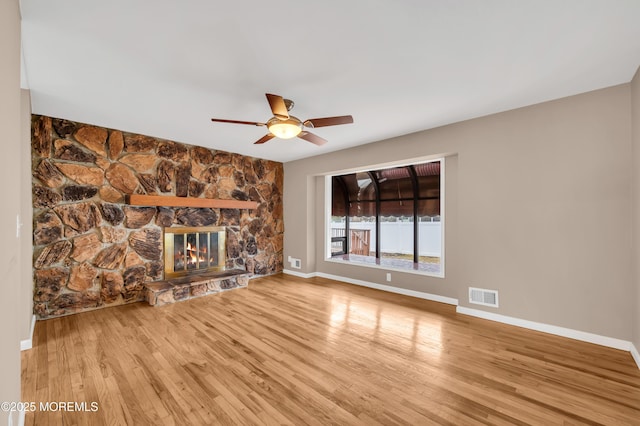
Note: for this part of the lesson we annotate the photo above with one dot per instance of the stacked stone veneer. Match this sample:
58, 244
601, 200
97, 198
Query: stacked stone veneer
92, 250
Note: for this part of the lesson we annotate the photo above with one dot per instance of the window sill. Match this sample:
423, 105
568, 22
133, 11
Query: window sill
430, 269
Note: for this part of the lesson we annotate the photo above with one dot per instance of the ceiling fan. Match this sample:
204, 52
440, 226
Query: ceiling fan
285, 126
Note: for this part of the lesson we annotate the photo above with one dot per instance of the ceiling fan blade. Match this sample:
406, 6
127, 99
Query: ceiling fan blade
253, 123
310, 137
328, 121
278, 107
265, 138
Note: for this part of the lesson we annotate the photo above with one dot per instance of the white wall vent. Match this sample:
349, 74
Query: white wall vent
481, 296
295, 263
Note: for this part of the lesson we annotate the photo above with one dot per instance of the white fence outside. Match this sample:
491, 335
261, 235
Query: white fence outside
396, 234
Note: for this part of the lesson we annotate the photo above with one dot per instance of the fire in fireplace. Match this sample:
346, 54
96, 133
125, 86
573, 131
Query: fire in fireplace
193, 250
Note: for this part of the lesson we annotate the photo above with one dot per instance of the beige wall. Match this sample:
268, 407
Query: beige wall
9, 175
538, 206
635, 118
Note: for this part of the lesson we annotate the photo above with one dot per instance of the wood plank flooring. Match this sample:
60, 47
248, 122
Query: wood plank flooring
297, 351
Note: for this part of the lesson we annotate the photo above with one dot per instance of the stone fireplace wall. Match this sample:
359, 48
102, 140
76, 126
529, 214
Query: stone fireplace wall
92, 250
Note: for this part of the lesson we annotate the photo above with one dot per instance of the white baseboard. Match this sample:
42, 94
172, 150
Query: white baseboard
547, 328
635, 354
28, 343
298, 274
11, 418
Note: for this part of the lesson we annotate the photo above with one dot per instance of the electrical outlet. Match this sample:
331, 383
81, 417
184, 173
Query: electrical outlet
388, 276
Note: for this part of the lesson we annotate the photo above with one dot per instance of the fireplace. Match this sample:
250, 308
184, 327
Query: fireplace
192, 250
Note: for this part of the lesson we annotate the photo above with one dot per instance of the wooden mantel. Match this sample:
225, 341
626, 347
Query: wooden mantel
171, 201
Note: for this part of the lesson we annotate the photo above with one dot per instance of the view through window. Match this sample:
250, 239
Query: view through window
389, 217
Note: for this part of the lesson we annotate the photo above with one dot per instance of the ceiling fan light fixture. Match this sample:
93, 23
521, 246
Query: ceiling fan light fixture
285, 126
285, 129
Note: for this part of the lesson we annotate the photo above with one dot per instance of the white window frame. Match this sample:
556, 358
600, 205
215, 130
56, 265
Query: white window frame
327, 219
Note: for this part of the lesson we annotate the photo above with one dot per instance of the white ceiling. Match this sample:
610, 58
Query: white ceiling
164, 68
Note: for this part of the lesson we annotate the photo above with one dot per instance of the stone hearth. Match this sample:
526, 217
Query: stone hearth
160, 293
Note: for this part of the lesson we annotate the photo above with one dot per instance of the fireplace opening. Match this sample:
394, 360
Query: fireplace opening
192, 250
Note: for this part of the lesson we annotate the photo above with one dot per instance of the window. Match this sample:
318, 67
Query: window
389, 217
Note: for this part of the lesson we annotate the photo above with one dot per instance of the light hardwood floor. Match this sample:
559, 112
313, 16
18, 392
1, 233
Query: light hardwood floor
313, 351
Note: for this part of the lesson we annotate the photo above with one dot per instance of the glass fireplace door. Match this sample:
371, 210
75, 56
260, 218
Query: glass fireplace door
193, 250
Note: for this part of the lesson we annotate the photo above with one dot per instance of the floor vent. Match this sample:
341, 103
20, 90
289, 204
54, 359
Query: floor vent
481, 296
